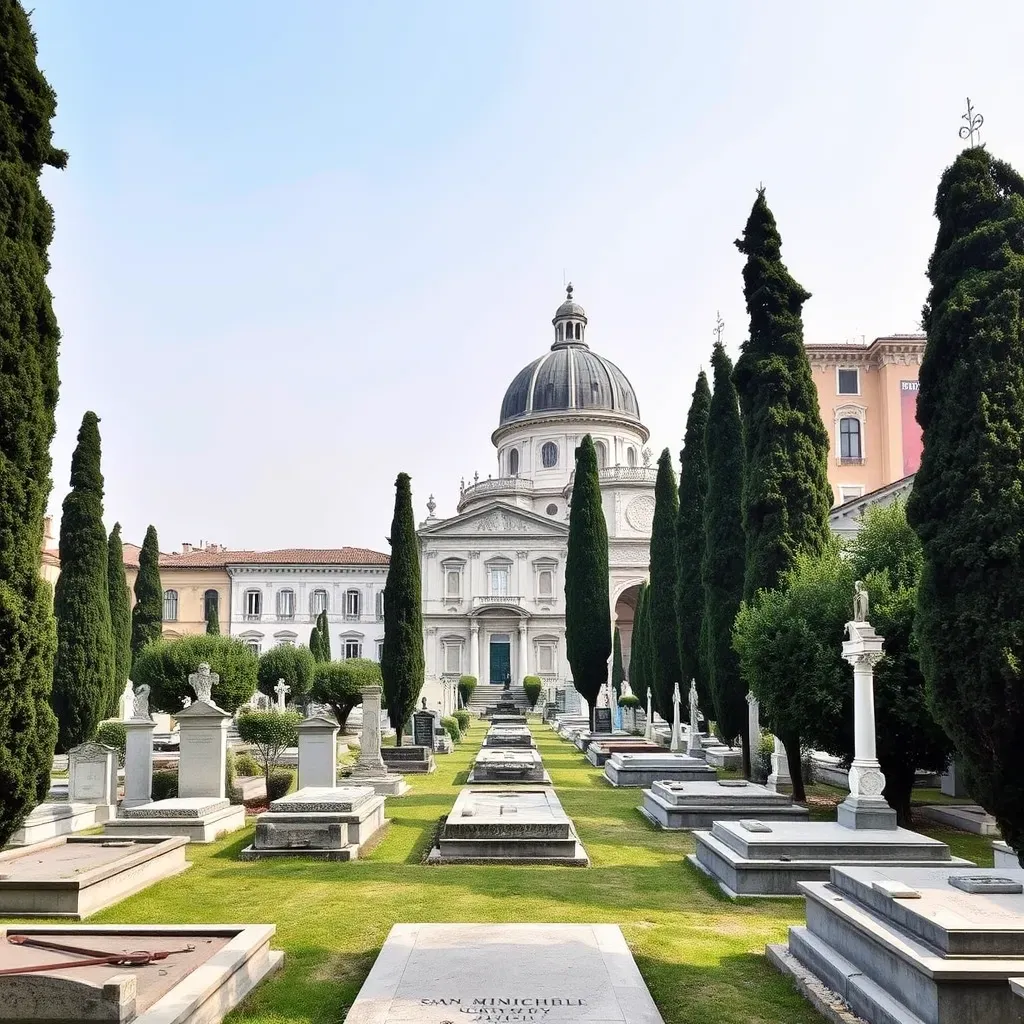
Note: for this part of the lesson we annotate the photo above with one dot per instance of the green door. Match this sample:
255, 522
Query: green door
501, 662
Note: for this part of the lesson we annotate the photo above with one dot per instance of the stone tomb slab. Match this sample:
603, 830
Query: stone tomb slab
196, 986
50, 820
504, 974
409, 760
75, 876
582, 740
517, 825
729, 758
599, 751
505, 719
326, 823
775, 862
638, 770
914, 942
692, 805
509, 736
504, 765
199, 819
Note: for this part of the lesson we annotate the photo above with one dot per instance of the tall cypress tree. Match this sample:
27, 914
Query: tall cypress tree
120, 617
212, 621
722, 564
786, 493
28, 396
315, 647
663, 626
588, 620
401, 661
325, 636
83, 673
148, 612
967, 504
693, 485
618, 673
638, 675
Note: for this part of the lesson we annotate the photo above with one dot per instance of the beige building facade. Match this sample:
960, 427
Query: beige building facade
868, 400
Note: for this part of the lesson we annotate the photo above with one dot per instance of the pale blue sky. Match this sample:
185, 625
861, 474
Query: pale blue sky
302, 247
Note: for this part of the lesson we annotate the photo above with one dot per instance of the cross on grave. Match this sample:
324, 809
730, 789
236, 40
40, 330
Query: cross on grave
281, 689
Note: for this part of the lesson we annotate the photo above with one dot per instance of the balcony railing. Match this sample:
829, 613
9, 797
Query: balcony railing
253, 616
850, 460
505, 601
495, 486
621, 474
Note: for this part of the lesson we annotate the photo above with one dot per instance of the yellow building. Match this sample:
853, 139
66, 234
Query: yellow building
50, 568
868, 400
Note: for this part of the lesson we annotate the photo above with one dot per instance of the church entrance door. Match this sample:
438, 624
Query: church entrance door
501, 660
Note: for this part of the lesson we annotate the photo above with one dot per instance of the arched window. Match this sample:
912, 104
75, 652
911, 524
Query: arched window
353, 604
630, 456
211, 603
579, 332
849, 438
170, 606
286, 604
317, 602
602, 454
558, 333
513, 462
549, 455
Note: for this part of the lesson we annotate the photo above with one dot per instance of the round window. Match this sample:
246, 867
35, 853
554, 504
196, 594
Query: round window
552, 509
549, 455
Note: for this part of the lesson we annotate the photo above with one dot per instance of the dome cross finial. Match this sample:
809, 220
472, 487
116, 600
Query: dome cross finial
568, 292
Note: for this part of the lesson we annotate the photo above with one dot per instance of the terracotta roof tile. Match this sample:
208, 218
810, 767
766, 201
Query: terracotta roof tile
281, 556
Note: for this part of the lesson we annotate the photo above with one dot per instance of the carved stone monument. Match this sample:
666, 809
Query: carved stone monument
649, 726
694, 747
318, 753
138, 752
780, 781
281, 689
370, 769
203, 682
753, 727
676, 745
92, 778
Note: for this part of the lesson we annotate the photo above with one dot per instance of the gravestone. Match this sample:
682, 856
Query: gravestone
138, 757
495, 765
603, 720
203, 745
370, 769
318, 752
92, 776
423, 725
693, 805
624, 769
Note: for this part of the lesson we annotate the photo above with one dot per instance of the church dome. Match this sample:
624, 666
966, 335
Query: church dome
570, 377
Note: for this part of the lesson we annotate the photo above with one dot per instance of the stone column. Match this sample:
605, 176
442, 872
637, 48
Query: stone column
523, 669
138, 762
753, 725
649, 728
203, 746
370, 764
474, 651
780, 781
318, 753
676, 745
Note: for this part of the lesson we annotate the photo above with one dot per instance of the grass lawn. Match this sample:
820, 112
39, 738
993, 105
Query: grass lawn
700, 954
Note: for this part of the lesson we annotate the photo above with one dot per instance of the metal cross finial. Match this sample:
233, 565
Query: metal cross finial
719, 326
568, 292
972, 129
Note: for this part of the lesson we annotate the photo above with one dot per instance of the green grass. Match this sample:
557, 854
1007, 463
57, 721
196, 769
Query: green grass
701, 955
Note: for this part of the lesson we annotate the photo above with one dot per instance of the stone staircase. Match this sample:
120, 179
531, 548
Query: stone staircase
488, 696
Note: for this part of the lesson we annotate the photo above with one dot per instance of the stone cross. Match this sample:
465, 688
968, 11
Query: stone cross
281, 689
203, 683
370, 764
677, 740
142, 702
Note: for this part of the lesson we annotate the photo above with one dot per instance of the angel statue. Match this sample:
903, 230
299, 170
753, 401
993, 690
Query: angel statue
860, 602
142, 701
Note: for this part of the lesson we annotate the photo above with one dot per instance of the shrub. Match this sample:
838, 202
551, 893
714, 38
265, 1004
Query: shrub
112, 734
337, 684
762, 766
230, 771
279, 782
467, 684
463, 718
451, 726
270, 732
532, 685
247, 765
294, 665
165, 784
629, 700
165, 666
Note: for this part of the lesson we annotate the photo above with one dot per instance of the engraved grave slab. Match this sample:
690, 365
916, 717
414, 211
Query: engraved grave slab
496, 764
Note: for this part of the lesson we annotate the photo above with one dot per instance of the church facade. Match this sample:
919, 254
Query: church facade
493, 575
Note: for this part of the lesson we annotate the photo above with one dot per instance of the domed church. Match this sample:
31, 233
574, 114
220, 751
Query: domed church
494, 573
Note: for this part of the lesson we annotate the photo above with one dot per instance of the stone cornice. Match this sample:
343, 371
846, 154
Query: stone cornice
902, 350
573, 421
379, 571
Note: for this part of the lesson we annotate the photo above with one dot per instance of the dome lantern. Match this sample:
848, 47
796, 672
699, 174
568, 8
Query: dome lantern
570, 322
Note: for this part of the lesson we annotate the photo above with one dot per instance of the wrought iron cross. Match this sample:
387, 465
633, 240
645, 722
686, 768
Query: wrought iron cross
972, 129
719, 326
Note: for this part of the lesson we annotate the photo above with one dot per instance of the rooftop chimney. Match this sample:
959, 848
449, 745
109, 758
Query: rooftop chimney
186, 547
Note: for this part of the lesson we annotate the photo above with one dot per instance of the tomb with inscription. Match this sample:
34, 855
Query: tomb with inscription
630, 769
599, 751
512, 764
328, 823
692, 805
370, 769
509, 736
132, 974
506, 719
515, 825
921, 945
413, 759
504, 974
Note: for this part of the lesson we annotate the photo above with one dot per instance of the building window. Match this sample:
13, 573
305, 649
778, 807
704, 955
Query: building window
286, 604
545, 583
253, 645
286, 642
211, 603
453, 658
513, 462
170, 606
353, 604
380, 605
452, 583
380, 649
579, 332
253, 605
847, 382
499, 582
317, 602
549, 455
849, 438
602, 454
351, 648
847, 492
631, 457
546, 659
558, 332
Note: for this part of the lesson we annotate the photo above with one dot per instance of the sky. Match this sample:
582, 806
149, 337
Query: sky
301, 248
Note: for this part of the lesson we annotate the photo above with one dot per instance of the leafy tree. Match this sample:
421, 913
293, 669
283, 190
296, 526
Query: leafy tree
467, 684
693, 485
639, 675
786, 493
315, 647
295, 665
148, 612
212, 620
401, 661
722, 563
324, 629
83, 673
165, 665
29, 339
533, 685
618, 673
120, 617
338, 683
968, 500
663, 625
270, 733
588, 625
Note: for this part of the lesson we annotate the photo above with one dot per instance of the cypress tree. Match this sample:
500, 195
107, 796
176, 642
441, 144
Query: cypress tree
28, 396
315, 647
148, 613
83, 673
638, 676
120, 617
401, 661
967, 505
693, 485
212, 621
722, 564
325, 636
618, 673
588, 620
663, 626
786, 493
